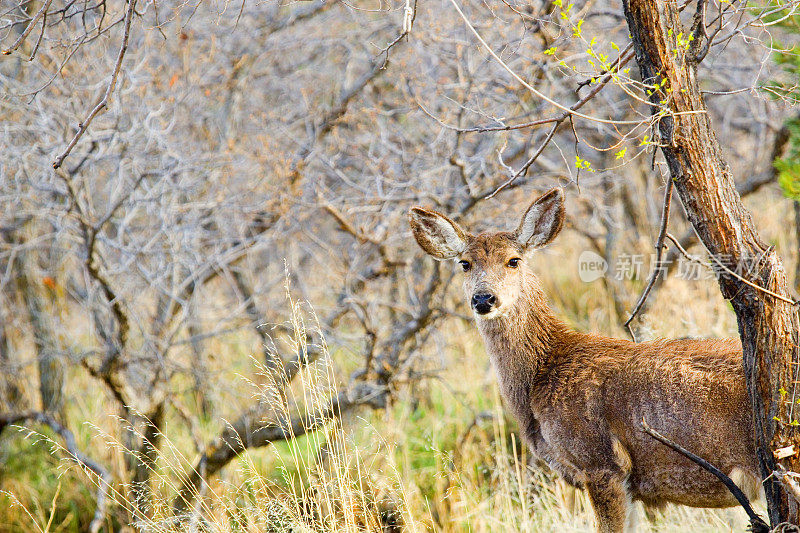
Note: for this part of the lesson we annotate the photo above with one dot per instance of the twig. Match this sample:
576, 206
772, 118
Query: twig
785, 479
409, 16
757, 524
105, 479
41, 13
484, 129
527, 85
347, 226
614, 66
662, 233
39, 39
621, 59
531, 160
83, 126
571, 111
731, 272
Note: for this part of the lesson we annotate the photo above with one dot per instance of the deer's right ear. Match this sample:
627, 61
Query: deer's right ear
436, 234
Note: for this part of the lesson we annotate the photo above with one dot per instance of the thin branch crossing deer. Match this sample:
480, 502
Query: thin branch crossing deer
580, 398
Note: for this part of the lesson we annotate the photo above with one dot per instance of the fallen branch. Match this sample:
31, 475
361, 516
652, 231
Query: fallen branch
252, 431
104, 478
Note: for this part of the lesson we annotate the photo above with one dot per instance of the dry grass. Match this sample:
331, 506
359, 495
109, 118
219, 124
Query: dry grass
442, 458
450, 462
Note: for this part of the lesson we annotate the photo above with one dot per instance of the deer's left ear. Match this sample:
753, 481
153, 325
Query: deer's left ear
542, 221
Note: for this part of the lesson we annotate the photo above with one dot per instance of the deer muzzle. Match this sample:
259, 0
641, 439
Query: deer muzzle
482, 302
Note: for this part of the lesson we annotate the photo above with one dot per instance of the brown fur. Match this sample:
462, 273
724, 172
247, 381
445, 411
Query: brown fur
579, 398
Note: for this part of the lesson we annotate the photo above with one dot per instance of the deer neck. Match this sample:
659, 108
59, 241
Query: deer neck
525, 337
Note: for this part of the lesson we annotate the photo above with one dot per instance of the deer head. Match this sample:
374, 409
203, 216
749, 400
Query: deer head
494, 262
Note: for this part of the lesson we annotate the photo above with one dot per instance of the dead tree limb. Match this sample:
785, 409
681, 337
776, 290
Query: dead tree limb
253, 431
757, 524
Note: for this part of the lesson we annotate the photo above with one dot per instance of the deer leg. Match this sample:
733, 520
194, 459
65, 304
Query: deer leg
610, 500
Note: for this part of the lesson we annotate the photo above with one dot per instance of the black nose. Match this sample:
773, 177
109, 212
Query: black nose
482, 302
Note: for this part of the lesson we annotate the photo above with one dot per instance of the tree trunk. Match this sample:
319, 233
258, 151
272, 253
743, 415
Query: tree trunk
50, 362
146, 458
11, 387
10, 391
767, 325
797, 244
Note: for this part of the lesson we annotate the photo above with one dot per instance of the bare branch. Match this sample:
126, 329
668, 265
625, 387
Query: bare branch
83, 126
42, 13
756, 522
657, 269
558, 121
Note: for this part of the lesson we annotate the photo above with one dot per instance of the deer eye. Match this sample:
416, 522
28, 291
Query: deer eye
465, 265
514, 262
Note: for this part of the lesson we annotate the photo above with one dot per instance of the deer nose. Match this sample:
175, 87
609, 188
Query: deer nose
482, 302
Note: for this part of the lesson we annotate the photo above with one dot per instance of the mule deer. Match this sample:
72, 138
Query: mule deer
580, 398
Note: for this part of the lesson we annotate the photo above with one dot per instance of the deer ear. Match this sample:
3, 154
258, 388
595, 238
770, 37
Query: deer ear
436, 234
542, 221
